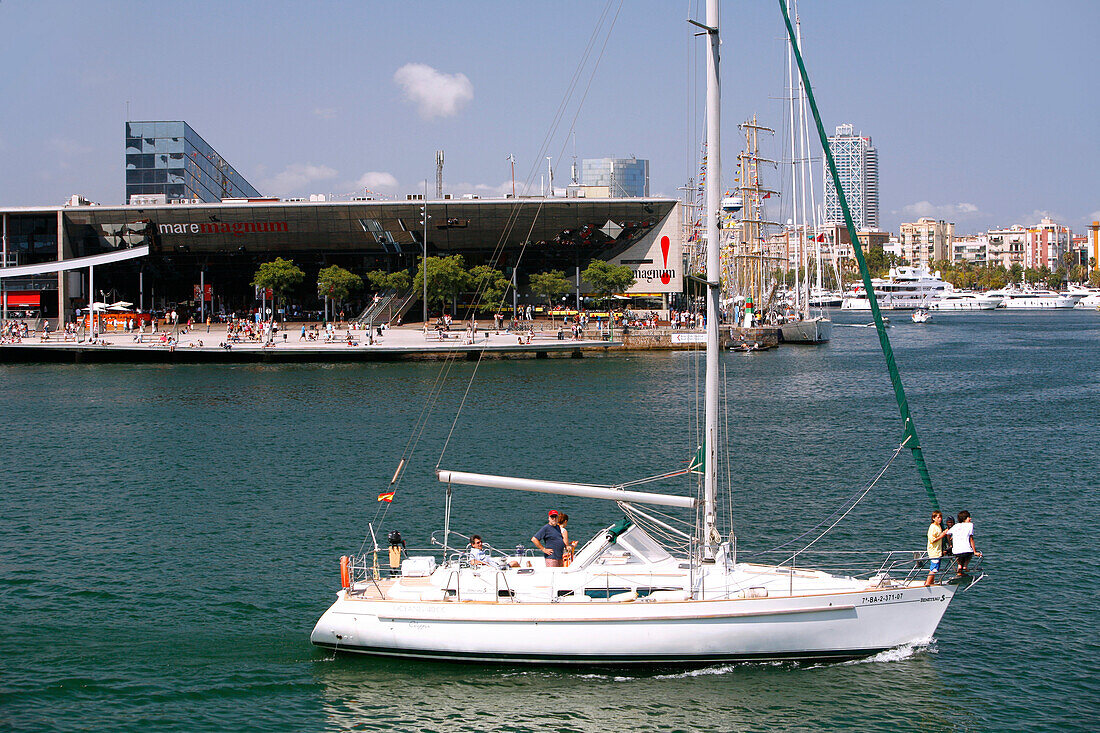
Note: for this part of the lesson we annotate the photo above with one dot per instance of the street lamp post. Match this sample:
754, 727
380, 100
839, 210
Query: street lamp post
424, 211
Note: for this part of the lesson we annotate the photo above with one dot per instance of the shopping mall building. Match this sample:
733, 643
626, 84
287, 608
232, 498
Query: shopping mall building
191, 219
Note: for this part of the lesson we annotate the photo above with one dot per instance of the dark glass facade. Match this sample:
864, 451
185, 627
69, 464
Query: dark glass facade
170, 158
223, 244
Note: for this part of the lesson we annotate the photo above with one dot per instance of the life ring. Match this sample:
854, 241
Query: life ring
345, 572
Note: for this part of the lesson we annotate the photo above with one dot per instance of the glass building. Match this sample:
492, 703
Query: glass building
857, 166
622, 176
171, 159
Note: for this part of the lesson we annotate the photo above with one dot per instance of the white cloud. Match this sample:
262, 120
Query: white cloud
1094, 216
435, 94
294, 178
377, 181
1039, 214
325, 113
940, 211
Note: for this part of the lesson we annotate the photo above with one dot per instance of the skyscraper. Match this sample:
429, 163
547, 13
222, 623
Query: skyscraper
169, 158
857, 166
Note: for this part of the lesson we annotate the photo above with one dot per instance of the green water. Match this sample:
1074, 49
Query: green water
169, 535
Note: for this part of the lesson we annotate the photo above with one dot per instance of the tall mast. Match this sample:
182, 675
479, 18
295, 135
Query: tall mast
711, 537
799, 233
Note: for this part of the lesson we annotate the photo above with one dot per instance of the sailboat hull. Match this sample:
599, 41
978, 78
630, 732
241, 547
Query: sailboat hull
809, 331
832, 626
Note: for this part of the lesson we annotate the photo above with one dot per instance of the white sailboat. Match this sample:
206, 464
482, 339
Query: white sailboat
643, 591
803, 327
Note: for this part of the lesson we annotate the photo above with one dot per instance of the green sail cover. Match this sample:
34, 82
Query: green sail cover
697, 462
617, 529
910, 431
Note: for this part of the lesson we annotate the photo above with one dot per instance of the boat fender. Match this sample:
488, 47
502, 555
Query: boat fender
345, 572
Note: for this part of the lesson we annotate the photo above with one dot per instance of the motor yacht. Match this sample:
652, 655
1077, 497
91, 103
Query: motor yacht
1090, 297
905, 289
1030, 298
966, 300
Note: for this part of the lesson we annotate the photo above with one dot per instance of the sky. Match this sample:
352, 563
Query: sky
983, 112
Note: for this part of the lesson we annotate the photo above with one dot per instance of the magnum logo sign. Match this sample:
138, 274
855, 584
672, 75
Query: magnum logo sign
664, 274
236, 228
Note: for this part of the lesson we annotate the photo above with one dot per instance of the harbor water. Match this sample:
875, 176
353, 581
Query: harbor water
170, 534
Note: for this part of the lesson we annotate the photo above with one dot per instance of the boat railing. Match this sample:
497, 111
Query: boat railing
880, 569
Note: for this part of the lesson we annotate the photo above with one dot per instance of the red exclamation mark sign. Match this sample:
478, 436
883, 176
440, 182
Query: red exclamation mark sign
666, 276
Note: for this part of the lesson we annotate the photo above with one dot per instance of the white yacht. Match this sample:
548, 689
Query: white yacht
1027, 297
821, 298
966, 300
906, 288
1090, 297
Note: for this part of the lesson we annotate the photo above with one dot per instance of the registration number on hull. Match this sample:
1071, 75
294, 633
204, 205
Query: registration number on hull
882, 598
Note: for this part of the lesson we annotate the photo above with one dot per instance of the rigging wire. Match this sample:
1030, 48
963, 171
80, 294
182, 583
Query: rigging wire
850, 503
546, 141
436, 389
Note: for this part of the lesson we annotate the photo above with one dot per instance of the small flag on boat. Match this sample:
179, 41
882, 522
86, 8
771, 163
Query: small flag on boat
386, 496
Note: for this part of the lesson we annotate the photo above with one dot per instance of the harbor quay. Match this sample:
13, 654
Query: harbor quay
311, 342
297, 342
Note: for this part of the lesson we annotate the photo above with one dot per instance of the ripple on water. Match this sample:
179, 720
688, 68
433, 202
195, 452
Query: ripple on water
166, 574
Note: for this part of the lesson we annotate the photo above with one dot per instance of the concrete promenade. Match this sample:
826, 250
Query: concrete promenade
200, 345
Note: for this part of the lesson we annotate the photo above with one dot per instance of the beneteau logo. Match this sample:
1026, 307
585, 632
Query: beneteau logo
236, 228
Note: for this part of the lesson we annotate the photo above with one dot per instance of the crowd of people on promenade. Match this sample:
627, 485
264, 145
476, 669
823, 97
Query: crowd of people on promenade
14, 332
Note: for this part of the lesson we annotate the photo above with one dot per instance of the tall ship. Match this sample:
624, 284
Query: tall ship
1027, 297
663, 584
906, 288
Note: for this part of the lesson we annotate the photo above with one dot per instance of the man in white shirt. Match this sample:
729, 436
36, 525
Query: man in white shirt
962, 541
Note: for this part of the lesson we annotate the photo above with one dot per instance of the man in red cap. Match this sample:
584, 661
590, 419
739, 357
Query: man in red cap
549, 540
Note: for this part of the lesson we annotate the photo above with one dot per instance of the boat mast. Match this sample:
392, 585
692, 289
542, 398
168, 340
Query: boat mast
710, 536
798, 229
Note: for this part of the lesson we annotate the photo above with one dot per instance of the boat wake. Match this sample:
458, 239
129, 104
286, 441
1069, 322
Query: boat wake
898, 654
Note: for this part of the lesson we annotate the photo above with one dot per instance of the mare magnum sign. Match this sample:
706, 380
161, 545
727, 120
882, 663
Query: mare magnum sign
236, 228
657, 260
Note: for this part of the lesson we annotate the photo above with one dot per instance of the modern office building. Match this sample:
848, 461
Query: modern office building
857, 166
621, 177
168, 162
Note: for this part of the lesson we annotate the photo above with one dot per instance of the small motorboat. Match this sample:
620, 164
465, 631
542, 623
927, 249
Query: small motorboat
921, 316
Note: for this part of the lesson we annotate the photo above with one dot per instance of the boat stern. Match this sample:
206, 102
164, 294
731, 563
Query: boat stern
336, 627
